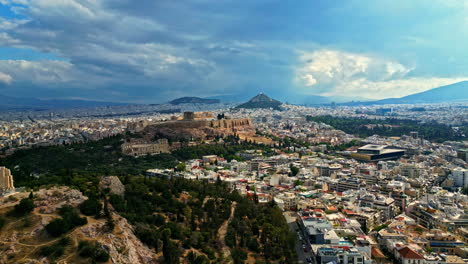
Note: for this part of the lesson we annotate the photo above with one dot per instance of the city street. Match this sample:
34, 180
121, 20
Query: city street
302, 256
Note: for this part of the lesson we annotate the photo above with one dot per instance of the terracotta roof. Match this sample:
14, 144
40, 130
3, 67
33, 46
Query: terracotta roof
408, 253
348, 212
376, 253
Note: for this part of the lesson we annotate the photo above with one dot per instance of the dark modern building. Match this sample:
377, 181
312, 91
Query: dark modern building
373, 152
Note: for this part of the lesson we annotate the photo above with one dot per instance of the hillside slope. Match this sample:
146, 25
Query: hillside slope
22, 239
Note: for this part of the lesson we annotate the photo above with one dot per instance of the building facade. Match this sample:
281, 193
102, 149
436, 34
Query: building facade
6, 180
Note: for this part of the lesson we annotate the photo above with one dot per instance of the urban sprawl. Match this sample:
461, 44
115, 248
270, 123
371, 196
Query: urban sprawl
349, 199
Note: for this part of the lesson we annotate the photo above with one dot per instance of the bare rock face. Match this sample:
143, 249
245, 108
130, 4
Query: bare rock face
121, 243
49, 200
124, 246
113, 183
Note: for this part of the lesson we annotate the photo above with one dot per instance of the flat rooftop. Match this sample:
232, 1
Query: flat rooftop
373, 147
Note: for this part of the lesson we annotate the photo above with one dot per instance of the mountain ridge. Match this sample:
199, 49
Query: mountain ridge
194, 100
455, 92
261, 100
447, 93
25, 103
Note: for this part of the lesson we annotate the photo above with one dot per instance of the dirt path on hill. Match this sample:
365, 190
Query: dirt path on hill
222, 234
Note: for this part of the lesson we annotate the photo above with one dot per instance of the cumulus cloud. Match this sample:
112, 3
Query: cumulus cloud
42, 72
104, 46
162, 49
390, 88
339, 73
5, 78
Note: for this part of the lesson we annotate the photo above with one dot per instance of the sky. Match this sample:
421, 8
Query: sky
149, 51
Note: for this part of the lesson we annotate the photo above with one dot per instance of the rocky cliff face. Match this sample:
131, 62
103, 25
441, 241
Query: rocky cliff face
20, 242
112, 183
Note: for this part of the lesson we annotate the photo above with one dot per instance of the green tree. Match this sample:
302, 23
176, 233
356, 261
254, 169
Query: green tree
465, 190
294, 170
24, 207
55, 250
93, 250
70, 219
92, 206
239, 256
170, 250
57, 227
181, 166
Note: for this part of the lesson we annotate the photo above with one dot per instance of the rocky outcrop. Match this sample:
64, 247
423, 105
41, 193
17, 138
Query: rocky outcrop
47, 201
200, 128
124, 246
21, 243
112, 183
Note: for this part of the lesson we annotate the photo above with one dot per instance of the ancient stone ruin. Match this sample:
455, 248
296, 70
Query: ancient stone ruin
6, 180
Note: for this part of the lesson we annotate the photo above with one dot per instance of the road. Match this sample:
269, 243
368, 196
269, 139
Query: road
302, 256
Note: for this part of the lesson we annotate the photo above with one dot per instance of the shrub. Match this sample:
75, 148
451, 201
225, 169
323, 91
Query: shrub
117, 202
93, 250
70, 219
92, 206
56, 250
25, 206
2, 222
380, 227
238, 255
57, 227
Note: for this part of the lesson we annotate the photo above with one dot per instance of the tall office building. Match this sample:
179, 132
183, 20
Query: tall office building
460, 177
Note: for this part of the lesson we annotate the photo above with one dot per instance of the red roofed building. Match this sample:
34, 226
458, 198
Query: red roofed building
348, 212
408, 256
377, 255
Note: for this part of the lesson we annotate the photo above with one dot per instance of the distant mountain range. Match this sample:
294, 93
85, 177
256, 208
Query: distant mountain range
456, 92
261, 101
194, 100
16, 103
300, 99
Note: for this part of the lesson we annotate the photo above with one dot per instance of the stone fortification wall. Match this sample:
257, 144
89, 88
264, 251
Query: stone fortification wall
224, 124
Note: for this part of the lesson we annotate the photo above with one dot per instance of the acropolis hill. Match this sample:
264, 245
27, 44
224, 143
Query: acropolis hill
200, 125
